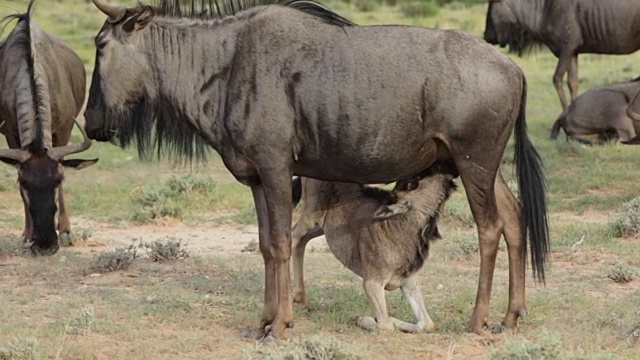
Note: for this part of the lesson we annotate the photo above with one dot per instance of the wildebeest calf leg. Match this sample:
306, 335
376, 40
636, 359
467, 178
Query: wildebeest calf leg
510, 215
411, 291
303, 231
273, 206
374, 289
64, 226
564, 62
27, 234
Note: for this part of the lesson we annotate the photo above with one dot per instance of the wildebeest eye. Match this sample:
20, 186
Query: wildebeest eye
101, 45
412, 185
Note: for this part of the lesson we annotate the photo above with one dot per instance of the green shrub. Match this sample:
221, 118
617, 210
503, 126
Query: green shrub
168, 249
118, 259
628, 222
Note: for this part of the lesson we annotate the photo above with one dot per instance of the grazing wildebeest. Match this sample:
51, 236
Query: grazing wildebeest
601, 113
382, 236
43, 89
568, 28
293, 88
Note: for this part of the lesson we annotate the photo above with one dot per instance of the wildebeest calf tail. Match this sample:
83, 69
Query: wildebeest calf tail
531, 181
296, 190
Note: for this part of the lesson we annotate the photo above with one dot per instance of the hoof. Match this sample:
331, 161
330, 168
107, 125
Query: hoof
267, 339
290, 325
367, 323
497, 329
523, 313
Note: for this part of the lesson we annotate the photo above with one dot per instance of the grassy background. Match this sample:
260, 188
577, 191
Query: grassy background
196, 307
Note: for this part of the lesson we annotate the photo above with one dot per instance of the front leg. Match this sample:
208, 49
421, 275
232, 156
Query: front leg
27, 234
270, 305
275, 204
64, 226
375, 291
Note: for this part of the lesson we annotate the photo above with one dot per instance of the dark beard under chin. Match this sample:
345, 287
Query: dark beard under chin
155, 126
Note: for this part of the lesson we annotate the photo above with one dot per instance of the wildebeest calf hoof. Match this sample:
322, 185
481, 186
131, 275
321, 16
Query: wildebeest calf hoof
267, 339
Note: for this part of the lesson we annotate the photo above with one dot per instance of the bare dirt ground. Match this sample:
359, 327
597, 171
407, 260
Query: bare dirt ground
204, 307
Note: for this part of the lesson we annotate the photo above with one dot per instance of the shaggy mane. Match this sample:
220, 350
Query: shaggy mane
216, 9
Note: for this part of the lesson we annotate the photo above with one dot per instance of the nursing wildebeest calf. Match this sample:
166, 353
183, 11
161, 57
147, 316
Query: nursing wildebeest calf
568, 28
382, 236
42, 89
296, 89
600, 113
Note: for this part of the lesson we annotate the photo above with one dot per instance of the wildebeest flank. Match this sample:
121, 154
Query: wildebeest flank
293, 88
42, 89
568, 28
600, 113
382, 236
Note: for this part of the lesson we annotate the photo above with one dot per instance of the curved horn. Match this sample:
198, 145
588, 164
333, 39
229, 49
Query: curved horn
18, 155
59, 152
15, 154
114, 11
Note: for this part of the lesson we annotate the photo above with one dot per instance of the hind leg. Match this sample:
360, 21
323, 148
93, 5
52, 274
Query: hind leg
479, 184
303, 231
510, 215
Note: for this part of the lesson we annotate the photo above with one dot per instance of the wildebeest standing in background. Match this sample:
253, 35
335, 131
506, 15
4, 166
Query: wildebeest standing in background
382, 236
296, 89
568, 28
42, 89
601, 113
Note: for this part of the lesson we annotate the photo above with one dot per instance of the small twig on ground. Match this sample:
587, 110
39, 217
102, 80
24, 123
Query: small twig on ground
584, 236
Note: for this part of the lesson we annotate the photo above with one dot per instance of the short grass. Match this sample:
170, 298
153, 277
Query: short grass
201, 306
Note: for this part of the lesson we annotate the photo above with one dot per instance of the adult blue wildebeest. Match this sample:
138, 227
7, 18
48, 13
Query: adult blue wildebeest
293, 88
600, 114
568, 28
42, 90
633, 111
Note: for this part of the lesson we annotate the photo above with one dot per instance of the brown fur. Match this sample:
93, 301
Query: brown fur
385, 252
600, 114
280, 91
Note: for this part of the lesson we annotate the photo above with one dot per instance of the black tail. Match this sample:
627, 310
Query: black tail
296, 191
533, 219
555, 129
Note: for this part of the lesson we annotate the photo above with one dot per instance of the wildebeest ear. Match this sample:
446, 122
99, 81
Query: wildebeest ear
388, 211
78, 164
138, 20
10, 161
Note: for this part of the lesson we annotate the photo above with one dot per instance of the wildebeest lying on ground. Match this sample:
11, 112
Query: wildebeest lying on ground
295, 89
600, 113
568, 28
42, 89
633, 111
382, 236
